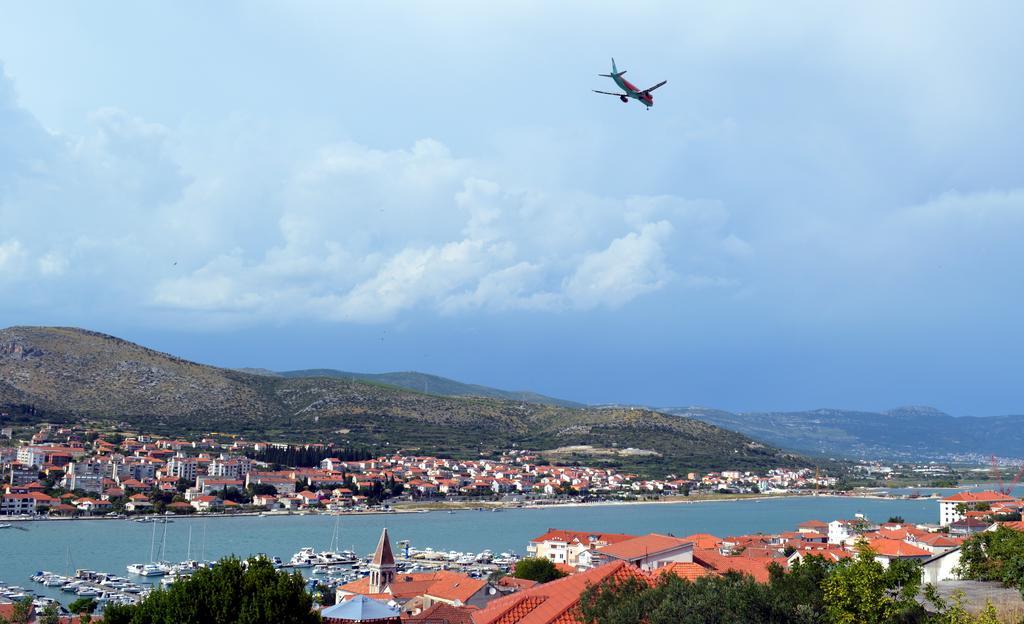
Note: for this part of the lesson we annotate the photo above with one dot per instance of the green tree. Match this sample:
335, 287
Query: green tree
994, 556
863, 590
537, 569
227, 593
50, 615
956, 613
82, 605
21, 613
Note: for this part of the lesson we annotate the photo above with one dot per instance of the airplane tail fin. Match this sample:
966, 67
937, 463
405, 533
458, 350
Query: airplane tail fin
615, 72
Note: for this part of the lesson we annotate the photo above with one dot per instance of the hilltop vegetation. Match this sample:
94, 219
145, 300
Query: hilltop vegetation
73, 374
433, 384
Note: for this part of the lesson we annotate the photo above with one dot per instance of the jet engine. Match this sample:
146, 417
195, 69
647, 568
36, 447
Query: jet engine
624, 99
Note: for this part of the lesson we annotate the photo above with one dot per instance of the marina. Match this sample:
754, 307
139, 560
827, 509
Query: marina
426, 540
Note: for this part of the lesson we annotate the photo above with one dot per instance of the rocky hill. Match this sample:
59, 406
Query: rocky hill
434, 384
73, 374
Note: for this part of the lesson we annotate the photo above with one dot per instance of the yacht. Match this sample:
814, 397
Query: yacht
305, 558
147, 569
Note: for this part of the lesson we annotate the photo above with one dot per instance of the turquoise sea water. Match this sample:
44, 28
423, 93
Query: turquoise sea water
109, 545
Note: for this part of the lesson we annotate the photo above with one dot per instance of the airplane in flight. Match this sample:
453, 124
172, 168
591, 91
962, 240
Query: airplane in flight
643, 96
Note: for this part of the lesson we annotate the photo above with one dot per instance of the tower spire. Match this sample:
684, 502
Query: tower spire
382, 567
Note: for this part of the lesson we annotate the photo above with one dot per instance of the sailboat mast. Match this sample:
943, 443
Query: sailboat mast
152, 545
188, 557
163, 544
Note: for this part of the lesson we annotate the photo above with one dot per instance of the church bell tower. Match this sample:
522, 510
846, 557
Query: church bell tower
382, 568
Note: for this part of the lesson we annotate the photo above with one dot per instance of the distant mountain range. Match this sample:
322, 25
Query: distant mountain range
83, 374
69, 374
921, 433
425, 383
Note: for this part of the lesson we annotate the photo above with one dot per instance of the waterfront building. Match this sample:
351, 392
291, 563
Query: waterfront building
562, 546
847, 531
952, 507
21, 474
85, 475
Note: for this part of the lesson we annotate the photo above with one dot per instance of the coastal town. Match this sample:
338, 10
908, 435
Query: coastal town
77, 473
70, 472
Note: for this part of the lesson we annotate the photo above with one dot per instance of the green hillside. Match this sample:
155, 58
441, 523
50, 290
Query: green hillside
73, 374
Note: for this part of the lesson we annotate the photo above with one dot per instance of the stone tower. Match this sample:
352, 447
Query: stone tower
382, 568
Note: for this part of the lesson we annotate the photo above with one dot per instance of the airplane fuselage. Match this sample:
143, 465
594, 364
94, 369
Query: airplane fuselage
631, 91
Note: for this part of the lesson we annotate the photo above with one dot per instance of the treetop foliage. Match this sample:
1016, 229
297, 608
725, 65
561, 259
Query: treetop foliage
227, 593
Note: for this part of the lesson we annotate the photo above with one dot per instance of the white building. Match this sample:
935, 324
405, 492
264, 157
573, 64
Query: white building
561, 546
949, 507
85, 475
182, 468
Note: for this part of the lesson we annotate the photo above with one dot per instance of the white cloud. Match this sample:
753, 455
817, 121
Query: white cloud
367, 234
630, 266
52, 264
12, 259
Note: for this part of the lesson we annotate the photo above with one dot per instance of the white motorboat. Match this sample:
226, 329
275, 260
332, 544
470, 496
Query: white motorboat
305, 558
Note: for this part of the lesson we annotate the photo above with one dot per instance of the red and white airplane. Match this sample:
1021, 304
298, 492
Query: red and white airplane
643, 96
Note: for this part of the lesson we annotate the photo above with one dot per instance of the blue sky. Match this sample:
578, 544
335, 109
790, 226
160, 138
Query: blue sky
824, 208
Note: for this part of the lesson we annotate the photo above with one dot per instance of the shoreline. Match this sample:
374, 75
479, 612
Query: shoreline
444, 507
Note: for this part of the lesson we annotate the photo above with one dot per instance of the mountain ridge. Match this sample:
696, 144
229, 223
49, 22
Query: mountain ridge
81, 375
908, 433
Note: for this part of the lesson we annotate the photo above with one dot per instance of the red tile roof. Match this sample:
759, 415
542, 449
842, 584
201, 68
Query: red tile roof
556, 602
704, 540
443, 613
511, 581
583, 537
813, 524
896, 548
685, 570
979, 497
456, 587
444, 584
640, 547
712, 559
1016, 525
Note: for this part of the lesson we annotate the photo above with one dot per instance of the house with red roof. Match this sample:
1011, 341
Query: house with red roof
647, 552
138, 502
556, 602
207, 503
951, 508
563, 546
888, 550
717, 562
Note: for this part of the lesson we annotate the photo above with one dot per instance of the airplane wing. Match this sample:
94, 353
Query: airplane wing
607, 93
655, 86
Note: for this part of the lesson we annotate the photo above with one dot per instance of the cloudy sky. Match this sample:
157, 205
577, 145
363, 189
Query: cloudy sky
825, 207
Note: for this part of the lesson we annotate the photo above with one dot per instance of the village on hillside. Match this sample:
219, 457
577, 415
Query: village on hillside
71, 472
